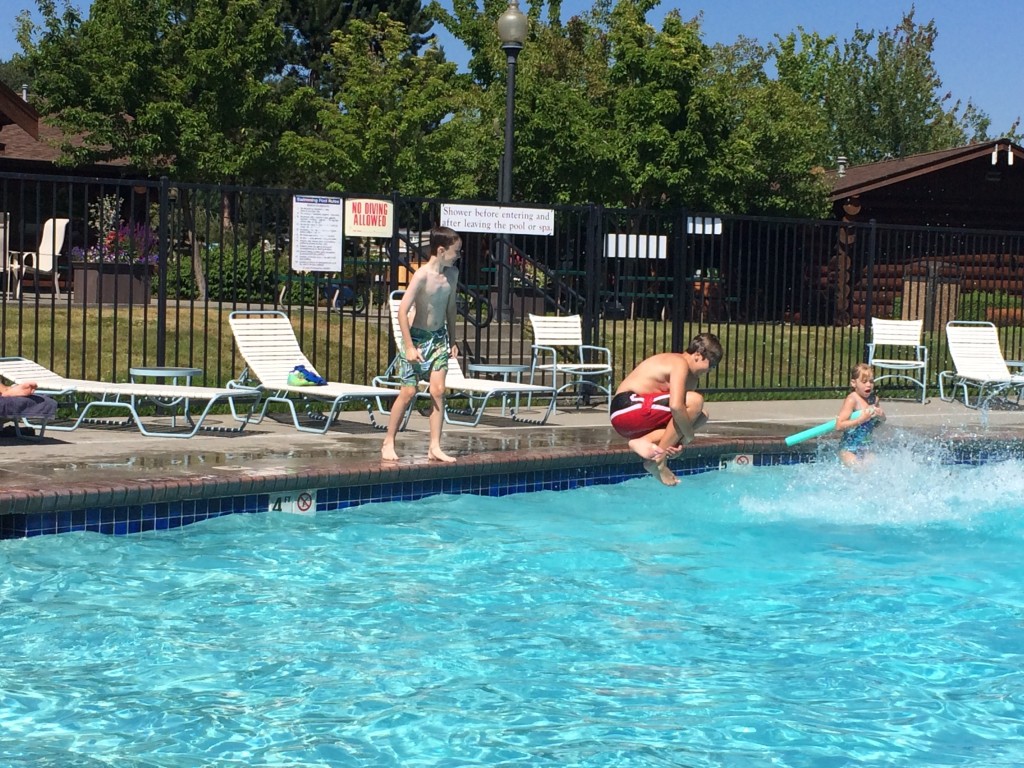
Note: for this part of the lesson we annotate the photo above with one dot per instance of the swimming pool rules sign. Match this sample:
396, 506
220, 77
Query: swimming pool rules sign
317, 230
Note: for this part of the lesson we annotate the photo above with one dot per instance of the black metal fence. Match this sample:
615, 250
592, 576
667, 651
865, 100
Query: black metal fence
790, 299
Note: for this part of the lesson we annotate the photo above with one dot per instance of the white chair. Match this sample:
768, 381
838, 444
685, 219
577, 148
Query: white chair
586, 365
477, 392
980, 365
43, 260
125, 396
890, 336
268, 345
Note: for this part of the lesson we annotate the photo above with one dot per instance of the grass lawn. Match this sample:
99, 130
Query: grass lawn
776, 360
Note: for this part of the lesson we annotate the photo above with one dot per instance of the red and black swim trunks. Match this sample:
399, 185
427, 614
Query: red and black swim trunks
636, 415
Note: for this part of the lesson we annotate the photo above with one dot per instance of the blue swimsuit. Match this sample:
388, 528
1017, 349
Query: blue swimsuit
858, 439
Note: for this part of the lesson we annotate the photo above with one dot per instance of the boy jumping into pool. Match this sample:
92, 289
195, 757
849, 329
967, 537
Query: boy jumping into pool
426, 318
855, 444
657, 408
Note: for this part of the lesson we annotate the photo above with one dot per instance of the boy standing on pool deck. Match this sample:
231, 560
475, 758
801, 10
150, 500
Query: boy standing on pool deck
426, 318
657, 407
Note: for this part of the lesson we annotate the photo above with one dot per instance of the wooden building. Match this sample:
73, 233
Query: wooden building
970, 198
980, 186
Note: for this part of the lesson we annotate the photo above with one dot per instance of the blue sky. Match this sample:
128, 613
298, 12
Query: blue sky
978, 53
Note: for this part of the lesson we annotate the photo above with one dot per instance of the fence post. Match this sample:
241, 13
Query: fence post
678, 272
161, 271
595, 274
868, 308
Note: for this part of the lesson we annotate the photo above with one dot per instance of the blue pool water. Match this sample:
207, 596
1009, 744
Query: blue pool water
791, 616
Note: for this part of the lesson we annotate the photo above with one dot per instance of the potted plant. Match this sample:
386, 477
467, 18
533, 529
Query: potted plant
117, 267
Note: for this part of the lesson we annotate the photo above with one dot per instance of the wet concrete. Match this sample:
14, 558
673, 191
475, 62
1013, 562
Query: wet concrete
68, 468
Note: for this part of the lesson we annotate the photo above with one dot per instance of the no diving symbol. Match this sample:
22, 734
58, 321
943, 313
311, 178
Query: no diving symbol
301, 503
741, 461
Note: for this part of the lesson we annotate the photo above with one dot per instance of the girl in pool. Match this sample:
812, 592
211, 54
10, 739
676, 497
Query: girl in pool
854, 447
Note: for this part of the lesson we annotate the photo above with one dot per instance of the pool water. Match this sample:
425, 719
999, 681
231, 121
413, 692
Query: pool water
789, 616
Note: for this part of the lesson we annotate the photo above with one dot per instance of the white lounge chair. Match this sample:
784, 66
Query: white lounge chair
43, 260
477, 392
125, 396
890, 336
980, 366
587, 365
267, 343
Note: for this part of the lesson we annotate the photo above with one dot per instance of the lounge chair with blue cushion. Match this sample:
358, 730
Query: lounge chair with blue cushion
268, 346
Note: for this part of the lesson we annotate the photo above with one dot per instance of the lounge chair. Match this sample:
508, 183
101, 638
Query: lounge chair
890, 336
267, 343
124, 396
980, 366
477, 392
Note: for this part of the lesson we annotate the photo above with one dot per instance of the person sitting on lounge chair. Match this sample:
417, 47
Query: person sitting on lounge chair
19, 401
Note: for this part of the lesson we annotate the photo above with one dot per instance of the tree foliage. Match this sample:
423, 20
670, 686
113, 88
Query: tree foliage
608, 108
309, 27
172, 86
401, 121
879, 93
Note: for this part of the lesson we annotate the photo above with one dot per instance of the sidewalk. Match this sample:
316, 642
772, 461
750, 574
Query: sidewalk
120, 466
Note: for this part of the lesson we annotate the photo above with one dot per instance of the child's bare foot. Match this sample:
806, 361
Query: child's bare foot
667, 476
645, 449
436, 454
660, 472
387, 453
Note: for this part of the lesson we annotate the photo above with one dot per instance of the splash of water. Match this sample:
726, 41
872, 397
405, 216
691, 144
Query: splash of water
908, 482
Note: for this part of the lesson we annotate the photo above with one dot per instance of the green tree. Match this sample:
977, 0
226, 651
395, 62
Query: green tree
14, 73
770, 142
400, 121
662, 143
309, 27
564, 149
880, 92
175, 86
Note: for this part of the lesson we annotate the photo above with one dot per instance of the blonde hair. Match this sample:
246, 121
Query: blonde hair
859, 370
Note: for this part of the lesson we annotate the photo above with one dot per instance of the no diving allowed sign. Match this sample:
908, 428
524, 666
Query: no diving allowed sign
294, 502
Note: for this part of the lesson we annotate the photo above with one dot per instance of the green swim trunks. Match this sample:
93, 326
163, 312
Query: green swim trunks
433, 346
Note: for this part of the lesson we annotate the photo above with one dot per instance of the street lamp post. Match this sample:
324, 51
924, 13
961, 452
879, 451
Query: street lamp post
512, 27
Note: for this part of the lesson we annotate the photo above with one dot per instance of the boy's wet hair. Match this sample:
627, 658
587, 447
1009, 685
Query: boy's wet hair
443, 237
859, 370
708, 346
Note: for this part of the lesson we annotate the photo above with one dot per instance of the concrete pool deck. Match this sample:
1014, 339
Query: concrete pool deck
100, 466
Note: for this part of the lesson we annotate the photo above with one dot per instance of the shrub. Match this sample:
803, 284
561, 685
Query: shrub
246, 276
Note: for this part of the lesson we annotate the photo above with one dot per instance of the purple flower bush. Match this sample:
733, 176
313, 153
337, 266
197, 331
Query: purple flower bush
125, 244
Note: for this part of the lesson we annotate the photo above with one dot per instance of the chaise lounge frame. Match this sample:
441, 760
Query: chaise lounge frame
270, 349
125, 396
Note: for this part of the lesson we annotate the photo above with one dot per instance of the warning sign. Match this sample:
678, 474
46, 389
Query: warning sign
294, 503
369, 218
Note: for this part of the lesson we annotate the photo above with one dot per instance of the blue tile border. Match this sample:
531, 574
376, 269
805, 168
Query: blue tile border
166, 504
515, 477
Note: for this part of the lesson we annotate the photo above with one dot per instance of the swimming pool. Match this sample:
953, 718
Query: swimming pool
784, 616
